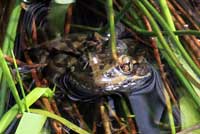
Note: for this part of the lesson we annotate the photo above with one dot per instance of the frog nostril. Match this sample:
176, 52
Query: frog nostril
109, 74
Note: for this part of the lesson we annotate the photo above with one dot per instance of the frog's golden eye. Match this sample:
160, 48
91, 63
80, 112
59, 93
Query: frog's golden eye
125, 64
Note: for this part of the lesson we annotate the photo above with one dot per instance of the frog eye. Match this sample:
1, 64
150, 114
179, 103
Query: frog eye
125, 64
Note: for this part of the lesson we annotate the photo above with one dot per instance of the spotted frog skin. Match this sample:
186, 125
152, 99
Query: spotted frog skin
84, 69
84, 65
107, 74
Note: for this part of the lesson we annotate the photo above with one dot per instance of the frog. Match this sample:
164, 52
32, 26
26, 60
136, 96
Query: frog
85, 64
83, 68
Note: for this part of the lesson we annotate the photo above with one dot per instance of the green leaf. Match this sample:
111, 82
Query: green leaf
9, 79
67, 123
189, 113
31, 123
7, 46
56, 15
31, 98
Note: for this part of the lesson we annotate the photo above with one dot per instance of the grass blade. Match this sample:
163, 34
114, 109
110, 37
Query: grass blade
7, 47
112, 28
60, 119
20, 81
173, 37
10, 80
31, 98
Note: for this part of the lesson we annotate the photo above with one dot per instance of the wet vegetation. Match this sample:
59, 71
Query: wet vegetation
99, 66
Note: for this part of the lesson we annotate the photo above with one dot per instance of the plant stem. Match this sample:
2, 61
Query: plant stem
186, 83
7, 47
171, 58
167, 15
112, 28
31, 98
67, 123
105, 119
119, 15
170, 114
3, 95
147, 33
128, 116
86, 27
173, 37
166, 46
20, 82
10, 80
8, 43
135, 16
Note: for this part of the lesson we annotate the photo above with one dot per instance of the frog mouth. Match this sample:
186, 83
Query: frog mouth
128, 83
106, 84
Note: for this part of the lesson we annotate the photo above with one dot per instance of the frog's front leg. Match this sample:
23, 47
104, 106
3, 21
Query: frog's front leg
58, 65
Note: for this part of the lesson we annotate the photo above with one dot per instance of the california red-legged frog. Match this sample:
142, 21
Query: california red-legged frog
86, 63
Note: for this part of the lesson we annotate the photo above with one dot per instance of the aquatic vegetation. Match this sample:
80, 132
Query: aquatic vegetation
103, 66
